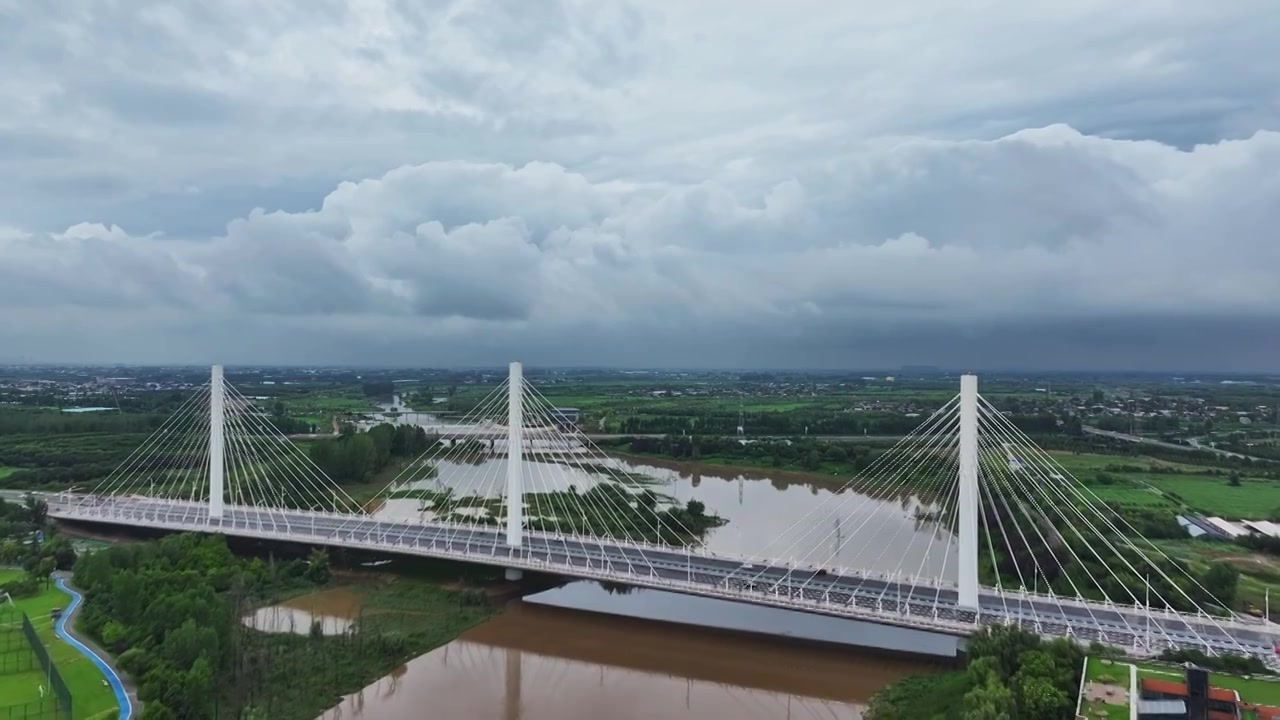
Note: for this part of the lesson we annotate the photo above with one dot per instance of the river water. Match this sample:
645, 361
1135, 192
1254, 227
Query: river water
540, 662
781, 516
580, 652
771, 514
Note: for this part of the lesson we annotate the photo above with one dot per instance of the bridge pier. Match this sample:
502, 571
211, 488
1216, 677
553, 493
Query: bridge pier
515, 462
216, 442
968, 490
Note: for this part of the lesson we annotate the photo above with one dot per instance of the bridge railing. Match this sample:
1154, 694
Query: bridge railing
912, 613
748, 561
137, 510
1236, 621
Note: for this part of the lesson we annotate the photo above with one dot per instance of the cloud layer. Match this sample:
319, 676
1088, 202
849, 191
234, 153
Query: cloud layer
609, 184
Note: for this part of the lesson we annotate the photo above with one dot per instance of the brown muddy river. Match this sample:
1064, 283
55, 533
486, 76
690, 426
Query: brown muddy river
544, 663
580, 653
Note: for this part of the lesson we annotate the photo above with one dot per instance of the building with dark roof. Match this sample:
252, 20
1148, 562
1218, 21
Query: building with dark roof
1194, 699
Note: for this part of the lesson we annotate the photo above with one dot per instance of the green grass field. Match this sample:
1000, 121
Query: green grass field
6, 472
1191, 487
20, 688
92, 698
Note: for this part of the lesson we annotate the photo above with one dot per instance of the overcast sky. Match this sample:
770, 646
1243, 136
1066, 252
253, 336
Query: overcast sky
743, 183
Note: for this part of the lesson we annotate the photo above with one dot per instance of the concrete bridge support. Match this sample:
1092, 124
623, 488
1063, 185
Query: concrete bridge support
968, 489
217, 462
515, 461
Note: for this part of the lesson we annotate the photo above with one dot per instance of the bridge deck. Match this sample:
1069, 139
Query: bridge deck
918, 605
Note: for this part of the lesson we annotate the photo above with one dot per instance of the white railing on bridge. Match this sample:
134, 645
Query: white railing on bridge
924, 616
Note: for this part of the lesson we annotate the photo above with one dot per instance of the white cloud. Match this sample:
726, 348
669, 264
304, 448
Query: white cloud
700, 175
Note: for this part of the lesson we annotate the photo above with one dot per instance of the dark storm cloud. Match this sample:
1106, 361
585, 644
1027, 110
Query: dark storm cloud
663, 183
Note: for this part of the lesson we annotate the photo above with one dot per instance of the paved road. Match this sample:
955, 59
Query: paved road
828, 438
1195, 444
877, 599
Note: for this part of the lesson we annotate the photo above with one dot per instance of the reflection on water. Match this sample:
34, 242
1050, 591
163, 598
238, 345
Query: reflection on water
336, 610
794, 516
705, 612
539, 663
779, 515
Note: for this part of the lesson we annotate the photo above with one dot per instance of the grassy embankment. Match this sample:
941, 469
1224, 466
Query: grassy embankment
91, 697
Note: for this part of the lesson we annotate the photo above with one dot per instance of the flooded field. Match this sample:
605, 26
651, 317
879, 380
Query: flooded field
336, 610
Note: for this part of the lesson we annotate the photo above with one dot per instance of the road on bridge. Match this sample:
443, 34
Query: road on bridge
918, 604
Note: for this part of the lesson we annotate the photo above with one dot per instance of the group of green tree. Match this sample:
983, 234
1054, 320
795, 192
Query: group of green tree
1012, 675
173, 611
802, 453
355, 456
29, 541
798, 421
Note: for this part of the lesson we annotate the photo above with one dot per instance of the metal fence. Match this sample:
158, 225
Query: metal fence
18, 640
15, 651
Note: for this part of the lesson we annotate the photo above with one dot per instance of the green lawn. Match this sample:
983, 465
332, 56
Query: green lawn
6, 472
1112, 673
20, 688
92, 697
1252, 690
1257, 691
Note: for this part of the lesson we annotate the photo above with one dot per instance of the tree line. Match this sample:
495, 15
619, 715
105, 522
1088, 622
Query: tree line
172, 610
354, 457
1012, 674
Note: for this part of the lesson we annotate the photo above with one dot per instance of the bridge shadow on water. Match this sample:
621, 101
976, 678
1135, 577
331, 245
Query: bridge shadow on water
535, 661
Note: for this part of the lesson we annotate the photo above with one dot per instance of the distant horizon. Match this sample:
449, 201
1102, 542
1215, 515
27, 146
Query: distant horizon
877, 372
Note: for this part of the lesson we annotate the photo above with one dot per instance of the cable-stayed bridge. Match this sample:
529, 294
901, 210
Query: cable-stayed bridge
1011, 536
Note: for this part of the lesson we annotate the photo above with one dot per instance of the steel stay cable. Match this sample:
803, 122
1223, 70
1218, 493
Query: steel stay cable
486, 484
160, 458
1079, 486
612, 506
485, 403
317, 486
933, 480
321, 484
1050, 464
615, 508
897, 480
579, 537
987, 414
878, 466
603, 461
187, 445
117, 477
944, 512
1018, 498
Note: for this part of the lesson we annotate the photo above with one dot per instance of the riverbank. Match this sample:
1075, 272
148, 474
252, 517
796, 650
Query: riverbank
321, 646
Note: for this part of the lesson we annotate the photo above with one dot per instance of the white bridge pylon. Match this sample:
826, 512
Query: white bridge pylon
967, 496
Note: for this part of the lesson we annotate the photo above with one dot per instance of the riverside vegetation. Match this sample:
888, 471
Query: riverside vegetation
171, 610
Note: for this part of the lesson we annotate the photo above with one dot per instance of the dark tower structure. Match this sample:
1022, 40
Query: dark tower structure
1197, 693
